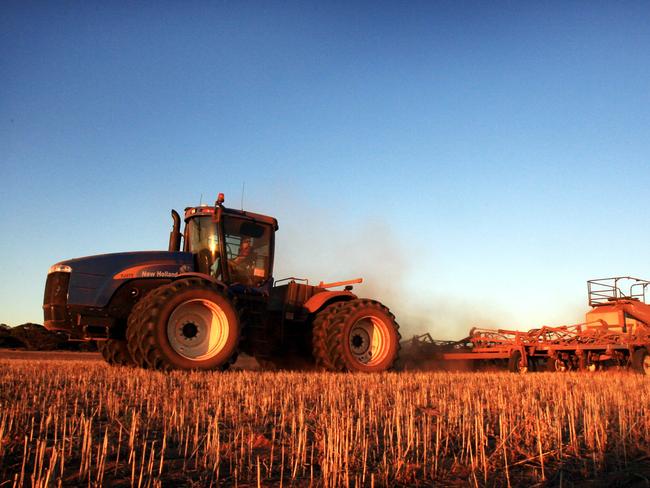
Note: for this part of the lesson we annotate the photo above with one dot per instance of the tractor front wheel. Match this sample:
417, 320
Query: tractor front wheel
186, 324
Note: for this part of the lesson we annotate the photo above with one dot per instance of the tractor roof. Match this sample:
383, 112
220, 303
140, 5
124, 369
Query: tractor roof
209, 210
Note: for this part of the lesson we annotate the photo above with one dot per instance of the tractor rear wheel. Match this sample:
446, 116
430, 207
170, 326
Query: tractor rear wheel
363, 336
320, 332
641, 361
115, 352
186, 324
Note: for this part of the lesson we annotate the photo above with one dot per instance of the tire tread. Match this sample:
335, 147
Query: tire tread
144, 316
335, 337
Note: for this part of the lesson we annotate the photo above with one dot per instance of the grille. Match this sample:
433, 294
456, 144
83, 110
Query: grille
56, 289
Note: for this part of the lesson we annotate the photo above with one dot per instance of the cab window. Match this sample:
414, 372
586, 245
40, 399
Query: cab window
248, 250
247, 254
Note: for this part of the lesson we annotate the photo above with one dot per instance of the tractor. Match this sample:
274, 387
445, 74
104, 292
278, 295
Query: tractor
197, 308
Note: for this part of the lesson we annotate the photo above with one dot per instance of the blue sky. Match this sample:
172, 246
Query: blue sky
476, 164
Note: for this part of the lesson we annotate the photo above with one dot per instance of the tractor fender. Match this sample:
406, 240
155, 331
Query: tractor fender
203, 276
319, 300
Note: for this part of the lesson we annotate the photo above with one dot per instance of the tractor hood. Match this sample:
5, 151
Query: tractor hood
94, 279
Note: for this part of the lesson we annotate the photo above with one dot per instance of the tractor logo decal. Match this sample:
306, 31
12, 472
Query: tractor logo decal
151, 270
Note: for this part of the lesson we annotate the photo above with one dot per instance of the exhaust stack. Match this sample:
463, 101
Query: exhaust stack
175, 234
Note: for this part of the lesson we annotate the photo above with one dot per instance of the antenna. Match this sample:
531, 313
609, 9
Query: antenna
243, 187
201, 200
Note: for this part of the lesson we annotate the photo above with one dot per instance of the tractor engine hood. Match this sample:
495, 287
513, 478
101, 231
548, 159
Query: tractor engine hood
94, 279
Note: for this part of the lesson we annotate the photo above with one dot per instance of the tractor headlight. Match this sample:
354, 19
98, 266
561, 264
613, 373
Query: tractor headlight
60, 268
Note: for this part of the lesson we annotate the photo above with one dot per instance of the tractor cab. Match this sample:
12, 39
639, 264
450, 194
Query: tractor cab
233, 246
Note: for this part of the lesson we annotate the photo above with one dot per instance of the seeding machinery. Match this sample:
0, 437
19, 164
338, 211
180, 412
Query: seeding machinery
615, 333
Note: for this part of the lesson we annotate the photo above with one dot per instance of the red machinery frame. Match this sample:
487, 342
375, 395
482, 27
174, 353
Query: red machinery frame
622, 341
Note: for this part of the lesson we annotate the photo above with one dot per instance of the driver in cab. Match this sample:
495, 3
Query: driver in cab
239, 265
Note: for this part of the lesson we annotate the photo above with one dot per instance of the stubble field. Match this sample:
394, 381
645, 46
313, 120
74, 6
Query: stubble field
82, 423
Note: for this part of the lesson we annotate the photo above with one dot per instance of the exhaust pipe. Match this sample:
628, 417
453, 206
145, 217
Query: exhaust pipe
175, 234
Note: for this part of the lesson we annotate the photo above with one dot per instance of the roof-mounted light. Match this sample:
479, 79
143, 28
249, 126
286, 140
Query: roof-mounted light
60, 268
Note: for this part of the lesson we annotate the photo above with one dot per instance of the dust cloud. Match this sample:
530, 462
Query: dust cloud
313, 244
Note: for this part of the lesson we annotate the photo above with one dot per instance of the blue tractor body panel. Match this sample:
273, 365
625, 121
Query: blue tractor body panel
95, 279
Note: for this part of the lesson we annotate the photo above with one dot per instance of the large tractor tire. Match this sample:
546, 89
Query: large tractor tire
361, 336
186, 324
641, 361
115, 352
135, 350
320, 332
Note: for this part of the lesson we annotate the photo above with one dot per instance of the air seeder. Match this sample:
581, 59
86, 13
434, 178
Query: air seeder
197, 308
615, 333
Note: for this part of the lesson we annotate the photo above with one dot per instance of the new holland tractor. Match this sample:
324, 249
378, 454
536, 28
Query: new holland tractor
199, 307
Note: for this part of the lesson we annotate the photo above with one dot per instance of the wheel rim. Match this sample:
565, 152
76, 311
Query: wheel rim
198, 329
646, 364
560, 365
369, 340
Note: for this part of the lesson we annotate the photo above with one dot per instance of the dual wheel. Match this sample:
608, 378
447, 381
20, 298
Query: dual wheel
357, 335
186, 324
192, 324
